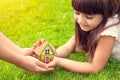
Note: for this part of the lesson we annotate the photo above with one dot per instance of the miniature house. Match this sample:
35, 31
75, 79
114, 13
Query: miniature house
44, 51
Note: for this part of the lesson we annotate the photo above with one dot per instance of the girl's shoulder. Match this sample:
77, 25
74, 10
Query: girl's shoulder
113, 30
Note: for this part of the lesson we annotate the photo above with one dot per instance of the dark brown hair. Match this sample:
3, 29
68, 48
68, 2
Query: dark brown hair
108, 8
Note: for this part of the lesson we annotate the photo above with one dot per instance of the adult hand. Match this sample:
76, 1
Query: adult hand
27, 51
33, 65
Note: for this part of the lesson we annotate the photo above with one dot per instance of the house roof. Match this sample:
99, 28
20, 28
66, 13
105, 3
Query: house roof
41, 46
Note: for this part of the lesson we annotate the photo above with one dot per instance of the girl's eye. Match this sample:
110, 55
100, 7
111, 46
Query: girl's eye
89, 17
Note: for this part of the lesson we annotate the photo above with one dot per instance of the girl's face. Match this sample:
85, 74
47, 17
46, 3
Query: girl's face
87, 22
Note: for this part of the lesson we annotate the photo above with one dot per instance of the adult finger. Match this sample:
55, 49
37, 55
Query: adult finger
41, 69
41, 64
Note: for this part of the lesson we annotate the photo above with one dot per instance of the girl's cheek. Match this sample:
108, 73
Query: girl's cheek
75, 18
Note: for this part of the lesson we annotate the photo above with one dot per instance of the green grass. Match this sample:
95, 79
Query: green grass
27, 21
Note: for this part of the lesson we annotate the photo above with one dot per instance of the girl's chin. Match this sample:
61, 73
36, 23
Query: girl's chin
85, 29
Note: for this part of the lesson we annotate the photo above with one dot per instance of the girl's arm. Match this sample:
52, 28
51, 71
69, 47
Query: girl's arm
67, 48
101, 56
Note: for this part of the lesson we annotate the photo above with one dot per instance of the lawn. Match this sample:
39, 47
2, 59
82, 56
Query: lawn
27, 21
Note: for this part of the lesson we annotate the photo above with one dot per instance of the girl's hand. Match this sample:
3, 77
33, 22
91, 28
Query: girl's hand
32, 64
53, 63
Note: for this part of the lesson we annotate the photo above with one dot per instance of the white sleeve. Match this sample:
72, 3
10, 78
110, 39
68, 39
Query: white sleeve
113, 31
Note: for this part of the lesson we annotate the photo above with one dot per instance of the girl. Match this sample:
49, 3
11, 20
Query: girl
20, 57
97, 31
